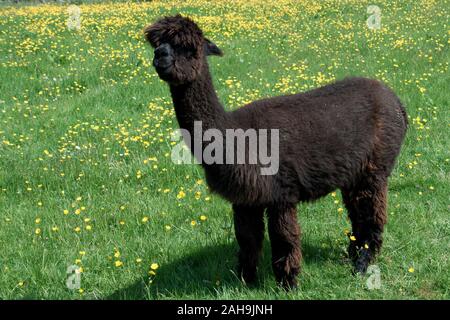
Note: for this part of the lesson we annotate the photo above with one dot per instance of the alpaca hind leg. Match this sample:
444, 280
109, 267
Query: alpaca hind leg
366, 205
249, 229
284, 233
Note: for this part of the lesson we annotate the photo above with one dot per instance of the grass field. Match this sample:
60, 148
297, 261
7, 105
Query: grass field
86, 176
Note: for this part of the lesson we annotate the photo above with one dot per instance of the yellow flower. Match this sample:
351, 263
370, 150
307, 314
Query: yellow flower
138, 260
81, 290
181, 194
78, 211
340, 210
37, 231
118, 263
77, 229
352, 238
152, 273
37, 221
366, 246
203, 218
55, 229
167, 227
66, 212
193, 223
89, 227
145, 219
411, 270
154, 266
117, 254
122, 208
82, 253
121, 222
78, 199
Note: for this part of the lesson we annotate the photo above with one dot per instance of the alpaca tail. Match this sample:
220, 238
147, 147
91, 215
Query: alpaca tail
403, 113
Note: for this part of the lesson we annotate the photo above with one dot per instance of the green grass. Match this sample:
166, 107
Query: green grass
82, 112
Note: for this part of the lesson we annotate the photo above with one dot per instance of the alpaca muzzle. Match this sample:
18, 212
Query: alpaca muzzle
163, 57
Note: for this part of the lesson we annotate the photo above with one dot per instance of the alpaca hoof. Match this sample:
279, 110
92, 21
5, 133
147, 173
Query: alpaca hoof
247, 275
289, 284
362, 262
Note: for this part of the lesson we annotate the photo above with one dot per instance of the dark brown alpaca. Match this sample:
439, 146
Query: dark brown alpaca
345, 135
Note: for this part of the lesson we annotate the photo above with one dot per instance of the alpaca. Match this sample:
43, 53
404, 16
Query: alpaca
345, 136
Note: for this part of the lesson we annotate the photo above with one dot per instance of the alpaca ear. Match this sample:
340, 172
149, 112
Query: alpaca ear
211, 49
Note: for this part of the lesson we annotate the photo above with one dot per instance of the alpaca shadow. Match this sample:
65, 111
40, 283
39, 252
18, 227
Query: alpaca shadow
206, 271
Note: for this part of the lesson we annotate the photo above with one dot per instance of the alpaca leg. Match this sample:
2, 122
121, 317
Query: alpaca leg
284, 233
249, 229
366, 205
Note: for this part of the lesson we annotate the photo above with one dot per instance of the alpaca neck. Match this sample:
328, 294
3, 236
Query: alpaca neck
198, 101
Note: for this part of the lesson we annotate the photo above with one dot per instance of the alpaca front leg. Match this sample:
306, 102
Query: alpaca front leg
249, 229
284, 233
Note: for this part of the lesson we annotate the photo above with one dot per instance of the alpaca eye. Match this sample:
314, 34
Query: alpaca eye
190, 53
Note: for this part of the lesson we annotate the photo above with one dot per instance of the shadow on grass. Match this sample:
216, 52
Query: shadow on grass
210, 269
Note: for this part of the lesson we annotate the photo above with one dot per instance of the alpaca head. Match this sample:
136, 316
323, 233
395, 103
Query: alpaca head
180, 49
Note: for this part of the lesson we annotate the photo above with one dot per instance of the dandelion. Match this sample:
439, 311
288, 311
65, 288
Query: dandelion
37, 221
77, 229
138, 260
55, 228
144, 219
88, 227
181, 194
118, 263
203, 218
411, 270
154, 266
193, 223
37, 231
352, 238
66, 212
167, 227
340, 210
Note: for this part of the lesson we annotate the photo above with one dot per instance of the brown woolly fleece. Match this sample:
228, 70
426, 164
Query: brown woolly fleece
345, 135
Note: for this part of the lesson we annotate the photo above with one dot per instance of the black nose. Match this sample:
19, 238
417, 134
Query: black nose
163, 50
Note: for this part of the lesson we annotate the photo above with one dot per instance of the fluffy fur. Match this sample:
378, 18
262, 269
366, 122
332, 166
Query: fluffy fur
345, 136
